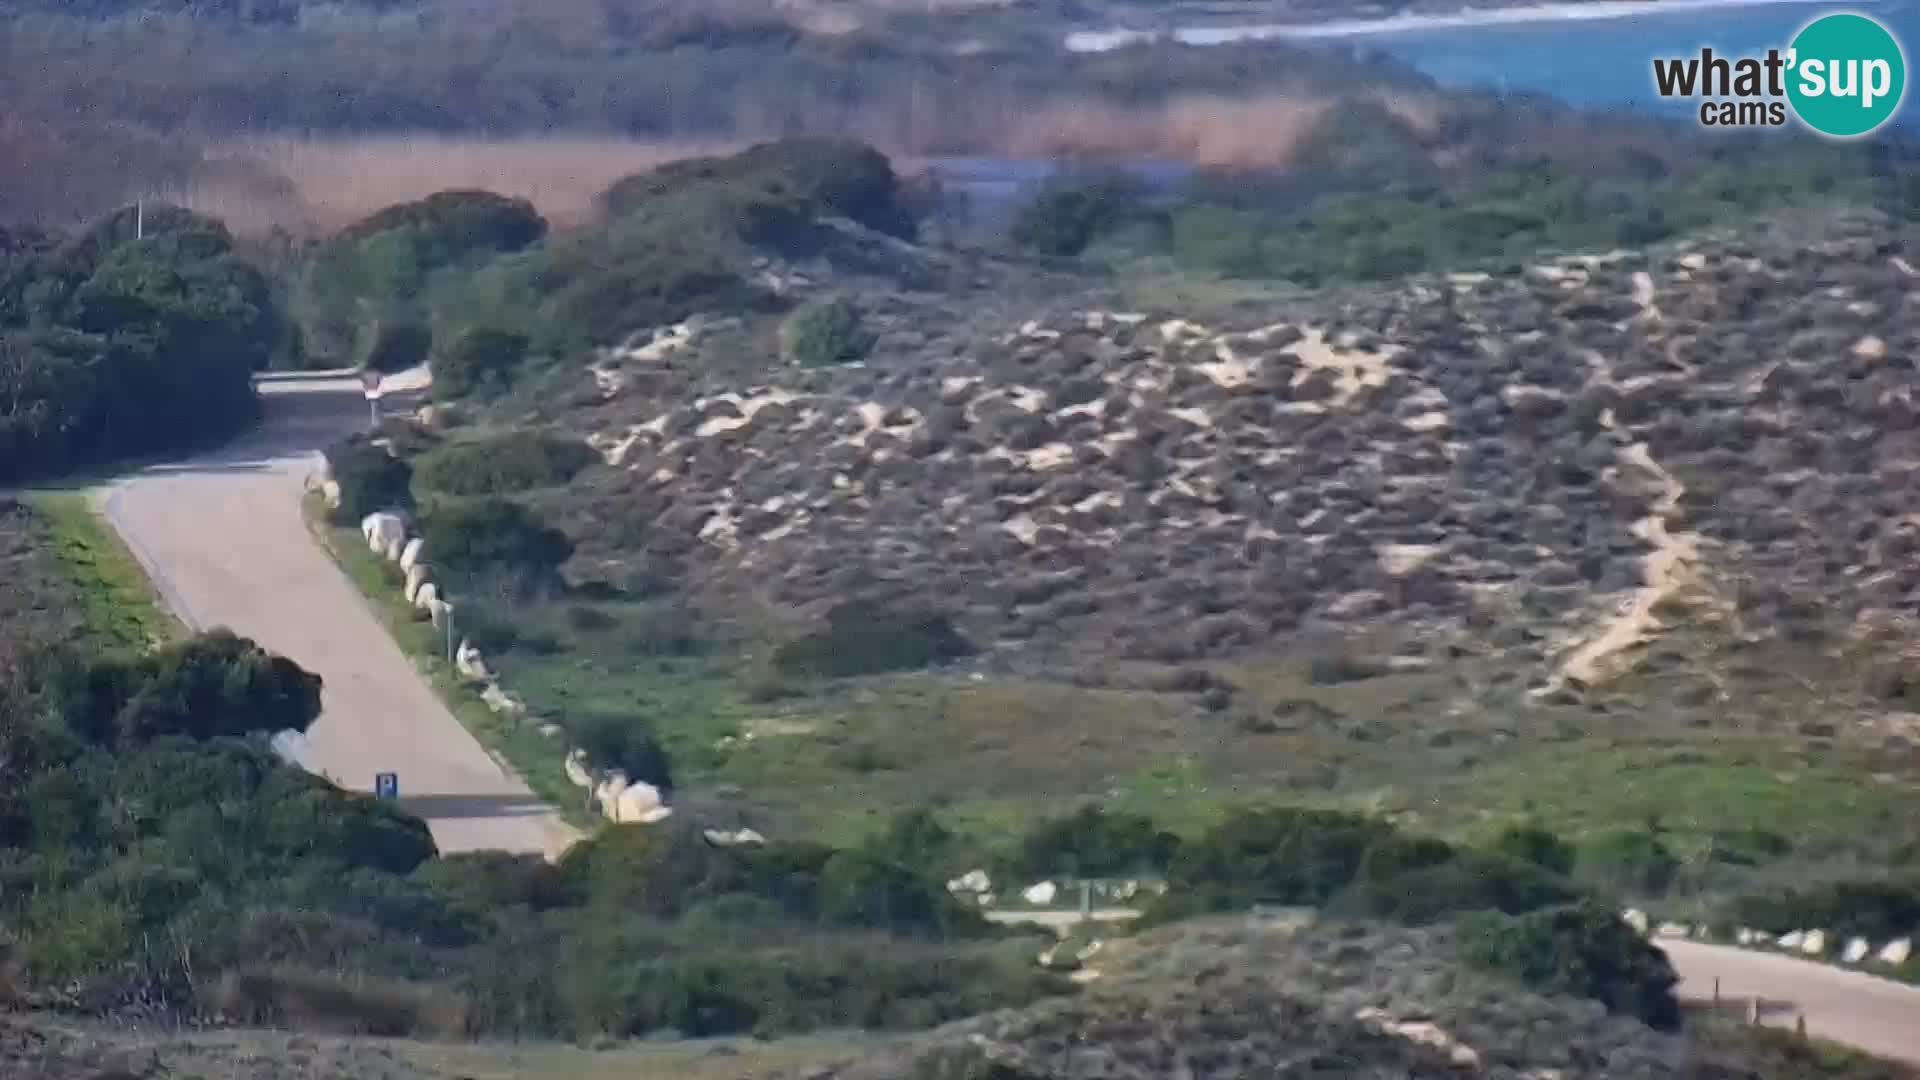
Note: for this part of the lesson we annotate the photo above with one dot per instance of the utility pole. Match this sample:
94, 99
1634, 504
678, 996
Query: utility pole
450, 652
139, 219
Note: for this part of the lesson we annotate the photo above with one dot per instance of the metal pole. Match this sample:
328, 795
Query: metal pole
1716, 989
449, 633
139, 219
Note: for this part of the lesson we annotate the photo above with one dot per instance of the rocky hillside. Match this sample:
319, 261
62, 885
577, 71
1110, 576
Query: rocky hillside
1252, 997
1546, 466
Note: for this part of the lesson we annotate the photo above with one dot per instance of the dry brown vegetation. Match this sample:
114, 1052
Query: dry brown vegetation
318, 185
1260, 131
312, 1001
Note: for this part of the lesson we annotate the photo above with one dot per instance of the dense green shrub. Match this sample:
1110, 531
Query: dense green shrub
480, 361
1094, 843
825, 332
213, 685
1466, 882
488, 880
378, 273
370, 478
1066, 217
502, 464
1633, 861
112, 345
1542, 847
1285, 855
862, 639
396, 345
624, 743
1876, 910
474, 535
841, 177
1584, 949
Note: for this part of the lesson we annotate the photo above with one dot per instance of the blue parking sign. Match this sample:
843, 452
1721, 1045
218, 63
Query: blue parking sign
386, 785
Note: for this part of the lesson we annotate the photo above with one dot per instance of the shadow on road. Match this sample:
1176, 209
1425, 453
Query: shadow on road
473, 806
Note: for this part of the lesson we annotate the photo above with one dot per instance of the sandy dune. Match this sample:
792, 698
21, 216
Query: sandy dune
223, 538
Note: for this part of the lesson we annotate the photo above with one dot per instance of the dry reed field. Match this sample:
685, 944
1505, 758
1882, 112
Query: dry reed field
315, 185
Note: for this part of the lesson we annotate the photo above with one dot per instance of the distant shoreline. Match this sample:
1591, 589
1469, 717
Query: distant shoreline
1103, 40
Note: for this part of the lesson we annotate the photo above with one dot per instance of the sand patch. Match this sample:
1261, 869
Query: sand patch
1357, 369
1668, 568
1399, 559
748, 407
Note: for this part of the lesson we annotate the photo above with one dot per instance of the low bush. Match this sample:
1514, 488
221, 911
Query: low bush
1541, 847
1876, 910
623, 743
825, 332
1094, 843
1068, 216
1629, 861
481, 361
396, 345
1585, 950
862, 639
214, 685
370, 479
491, 534
502, 464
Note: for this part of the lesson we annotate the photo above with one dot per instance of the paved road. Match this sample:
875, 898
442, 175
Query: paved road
223, 538
1876, 1015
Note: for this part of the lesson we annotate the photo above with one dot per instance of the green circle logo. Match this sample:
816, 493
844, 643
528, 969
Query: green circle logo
1846, 75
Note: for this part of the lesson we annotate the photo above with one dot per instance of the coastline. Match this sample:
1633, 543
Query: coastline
1104, 40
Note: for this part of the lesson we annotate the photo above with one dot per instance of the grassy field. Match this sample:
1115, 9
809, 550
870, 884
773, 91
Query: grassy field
835, 760
69, 579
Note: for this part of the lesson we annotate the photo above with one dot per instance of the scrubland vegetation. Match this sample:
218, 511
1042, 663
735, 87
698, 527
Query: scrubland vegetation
156, 860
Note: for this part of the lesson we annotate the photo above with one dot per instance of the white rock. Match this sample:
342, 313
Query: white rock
410, 555
1637, 919
502, 702
1815, 943
1896, 952
973, 881
639, 803
438, 610
734, 838
330, 491
384, 531
1857, 950
551, 730
576, 767
427, 594
1674, 930
470, 663
416, 577
1793, 940
1041, 893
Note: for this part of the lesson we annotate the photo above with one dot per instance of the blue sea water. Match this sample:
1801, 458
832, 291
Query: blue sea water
1608, 63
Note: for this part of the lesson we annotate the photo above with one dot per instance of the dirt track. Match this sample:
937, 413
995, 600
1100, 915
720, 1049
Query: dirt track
223, 538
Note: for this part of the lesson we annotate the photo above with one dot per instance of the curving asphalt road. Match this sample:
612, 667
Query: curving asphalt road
224, 540
1879, 1016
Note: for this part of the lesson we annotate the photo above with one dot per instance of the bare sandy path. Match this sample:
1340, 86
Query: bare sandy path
224, 540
